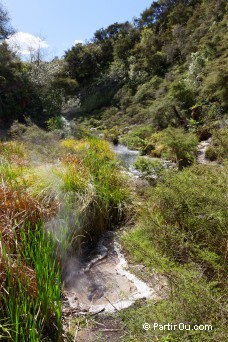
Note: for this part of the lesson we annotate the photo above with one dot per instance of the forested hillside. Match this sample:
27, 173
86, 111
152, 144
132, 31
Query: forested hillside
166, 67
169, 66
158, 85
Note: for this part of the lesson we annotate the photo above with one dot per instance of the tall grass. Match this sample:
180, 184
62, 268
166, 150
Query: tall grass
30, 305
92, 173
31, 299
76, 199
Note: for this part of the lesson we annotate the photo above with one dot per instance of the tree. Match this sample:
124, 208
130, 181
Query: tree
124, 45
43, 76
12, 81
182, 94
5, 27
113, 32
26, 88
84, 61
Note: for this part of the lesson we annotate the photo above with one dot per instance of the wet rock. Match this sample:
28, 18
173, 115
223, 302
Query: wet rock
95, 292
202, 147
108, 285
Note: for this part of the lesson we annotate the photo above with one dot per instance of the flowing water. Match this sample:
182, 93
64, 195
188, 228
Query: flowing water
202, 147
127, 158
100, 279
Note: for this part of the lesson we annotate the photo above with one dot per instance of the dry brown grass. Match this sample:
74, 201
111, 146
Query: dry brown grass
18, 207
20, 273
18, 211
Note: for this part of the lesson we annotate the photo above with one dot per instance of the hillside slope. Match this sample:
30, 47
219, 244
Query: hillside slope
167, 67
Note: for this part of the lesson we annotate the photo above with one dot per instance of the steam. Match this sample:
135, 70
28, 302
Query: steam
65, 230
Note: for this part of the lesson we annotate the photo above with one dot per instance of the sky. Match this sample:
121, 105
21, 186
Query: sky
56, 25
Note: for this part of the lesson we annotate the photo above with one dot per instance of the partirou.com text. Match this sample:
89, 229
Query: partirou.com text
179, 326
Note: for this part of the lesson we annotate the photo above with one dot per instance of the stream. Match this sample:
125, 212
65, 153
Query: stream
100, 280
127, 158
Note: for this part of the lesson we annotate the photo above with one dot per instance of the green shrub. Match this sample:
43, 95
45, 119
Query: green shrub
181, 235
112, 134
132, 142
182, 147
182, 94
211, 153
79, 130
55, 122
148, 166
137, 138
187, 212
214, 86
162, 113
147, 90
192, 301
220, 142
38, 143
69, 85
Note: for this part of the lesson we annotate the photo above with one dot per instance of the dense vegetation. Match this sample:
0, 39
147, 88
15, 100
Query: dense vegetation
182, 232
168, 67
75, 201
159, 85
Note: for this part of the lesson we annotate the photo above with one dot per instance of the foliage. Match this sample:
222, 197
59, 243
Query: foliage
164, 73
160, 53
55, 122
91, 172
148, 166
181, 234
152, 70
30, 281
211, 153
220, 142
32, 294
172, 143
84, 61
79, 130
5, 28
193, 302
147, 90
195, 69
112, 134
14, 87
39, 144
26, 89
181, 146
96, 196
187, 213
214, 86
44, 79
137, 137
66, 84
182, 95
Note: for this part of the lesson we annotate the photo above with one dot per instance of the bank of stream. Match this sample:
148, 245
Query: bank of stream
99, 280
